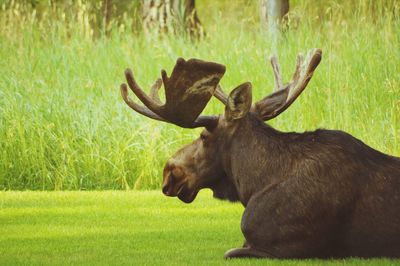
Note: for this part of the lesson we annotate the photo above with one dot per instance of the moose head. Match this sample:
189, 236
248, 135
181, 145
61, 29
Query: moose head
204, 163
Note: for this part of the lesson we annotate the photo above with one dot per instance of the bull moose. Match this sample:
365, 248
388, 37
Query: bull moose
320, 194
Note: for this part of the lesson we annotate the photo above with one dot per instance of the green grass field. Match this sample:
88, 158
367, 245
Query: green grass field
63, 124
125, 228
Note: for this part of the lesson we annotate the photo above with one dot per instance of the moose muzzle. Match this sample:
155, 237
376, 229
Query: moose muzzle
173, 180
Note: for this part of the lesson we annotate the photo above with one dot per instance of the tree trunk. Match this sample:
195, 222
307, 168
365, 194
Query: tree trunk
273, 13
191, 20
171, 16
107, 8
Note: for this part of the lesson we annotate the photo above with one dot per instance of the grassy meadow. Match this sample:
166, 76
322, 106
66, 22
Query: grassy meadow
125, 228
64, 126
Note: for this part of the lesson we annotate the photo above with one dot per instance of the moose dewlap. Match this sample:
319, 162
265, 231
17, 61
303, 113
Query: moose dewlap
318, 194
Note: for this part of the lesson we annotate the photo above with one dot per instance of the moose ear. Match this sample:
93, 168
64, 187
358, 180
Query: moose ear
239, 102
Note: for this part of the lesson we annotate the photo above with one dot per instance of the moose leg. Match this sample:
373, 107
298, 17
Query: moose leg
291, 220
246, 252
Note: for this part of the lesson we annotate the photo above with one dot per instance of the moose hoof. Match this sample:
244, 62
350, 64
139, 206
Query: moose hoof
245, 252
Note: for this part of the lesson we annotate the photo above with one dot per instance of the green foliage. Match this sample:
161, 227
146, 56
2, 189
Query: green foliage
63, 124
125, 228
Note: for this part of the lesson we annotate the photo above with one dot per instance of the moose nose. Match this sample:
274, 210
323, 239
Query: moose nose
172, 174
165, 189
168, 185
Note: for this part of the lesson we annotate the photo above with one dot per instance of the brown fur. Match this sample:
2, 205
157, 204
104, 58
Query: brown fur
315, 194
318, 194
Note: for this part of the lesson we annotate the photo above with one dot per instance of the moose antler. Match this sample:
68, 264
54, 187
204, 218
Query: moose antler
187, 92
154, 91
221, 95
283, 96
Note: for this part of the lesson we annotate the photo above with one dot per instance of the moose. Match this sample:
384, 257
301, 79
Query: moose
320, 194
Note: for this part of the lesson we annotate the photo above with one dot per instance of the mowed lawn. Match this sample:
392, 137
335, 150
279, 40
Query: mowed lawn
116, 227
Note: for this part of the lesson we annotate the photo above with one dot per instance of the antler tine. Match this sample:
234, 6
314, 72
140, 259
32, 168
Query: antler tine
138, 108
303, 74
221, 95
277, 73
296, 74
146, 100
201, 121
278, 101
154, 91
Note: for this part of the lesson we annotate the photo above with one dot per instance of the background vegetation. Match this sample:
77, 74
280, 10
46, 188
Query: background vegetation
63, 125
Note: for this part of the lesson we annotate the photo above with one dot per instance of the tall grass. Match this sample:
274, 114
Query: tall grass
63, 124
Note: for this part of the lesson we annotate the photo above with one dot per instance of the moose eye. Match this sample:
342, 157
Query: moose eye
203, 137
